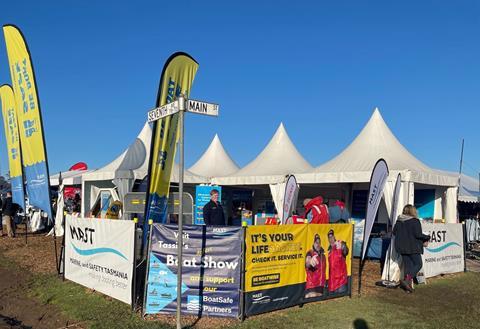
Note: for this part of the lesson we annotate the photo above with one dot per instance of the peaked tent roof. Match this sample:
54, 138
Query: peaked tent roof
279, 158
214, 162
133, 163
375, 141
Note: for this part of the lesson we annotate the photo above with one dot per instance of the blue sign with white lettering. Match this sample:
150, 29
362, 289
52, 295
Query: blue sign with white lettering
211, 270
202, 197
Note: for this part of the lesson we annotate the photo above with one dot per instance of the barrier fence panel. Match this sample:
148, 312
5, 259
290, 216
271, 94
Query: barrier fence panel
289, 265
445, 251
99, 254
211, 270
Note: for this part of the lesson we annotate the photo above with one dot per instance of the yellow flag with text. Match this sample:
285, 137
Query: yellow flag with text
177, 78
7, 99
29, 119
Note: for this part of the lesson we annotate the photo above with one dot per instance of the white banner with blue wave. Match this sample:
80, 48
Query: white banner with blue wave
445, 251
99, 254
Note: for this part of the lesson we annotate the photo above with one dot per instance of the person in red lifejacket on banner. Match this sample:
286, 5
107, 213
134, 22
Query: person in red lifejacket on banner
315, 211
337, 262
315, 265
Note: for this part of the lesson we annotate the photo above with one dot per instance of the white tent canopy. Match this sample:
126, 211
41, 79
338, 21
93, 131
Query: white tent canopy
279, 158
133, 163
214, 162
469, 189
129, 166
355, 163
72, 177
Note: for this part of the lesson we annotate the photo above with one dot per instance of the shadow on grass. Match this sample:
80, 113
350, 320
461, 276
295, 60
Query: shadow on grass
360, 324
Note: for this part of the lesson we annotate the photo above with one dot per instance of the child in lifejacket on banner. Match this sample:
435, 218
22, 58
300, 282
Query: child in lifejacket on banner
315, 211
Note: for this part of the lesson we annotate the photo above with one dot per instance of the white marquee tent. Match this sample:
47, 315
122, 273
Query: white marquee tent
355, 163
72, 177
279, 158
122, 172
469, 189
215, 161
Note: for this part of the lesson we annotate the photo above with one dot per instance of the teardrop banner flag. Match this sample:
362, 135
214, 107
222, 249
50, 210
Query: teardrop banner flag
13, 144
375, 193
29, 120
391, 269
377, 185
177, 78
290, 198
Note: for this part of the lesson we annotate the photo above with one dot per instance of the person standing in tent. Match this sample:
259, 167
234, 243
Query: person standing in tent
8, 211
315, 211
337, 262
338, 212
213, 210
409, 242
315, 265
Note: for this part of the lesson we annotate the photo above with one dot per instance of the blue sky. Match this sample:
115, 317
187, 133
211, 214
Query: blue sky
319, 66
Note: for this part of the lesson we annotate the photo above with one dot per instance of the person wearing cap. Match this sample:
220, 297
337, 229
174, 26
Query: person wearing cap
315, 265
315, 211
337, 262
213, 210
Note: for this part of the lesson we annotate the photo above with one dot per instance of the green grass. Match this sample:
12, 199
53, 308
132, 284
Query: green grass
94, 309
449, 302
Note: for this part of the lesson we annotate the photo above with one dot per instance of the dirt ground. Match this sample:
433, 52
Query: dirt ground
17, 310
36, 253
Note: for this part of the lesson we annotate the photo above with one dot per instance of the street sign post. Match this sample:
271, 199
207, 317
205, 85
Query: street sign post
163, 111
204, 108
182, 105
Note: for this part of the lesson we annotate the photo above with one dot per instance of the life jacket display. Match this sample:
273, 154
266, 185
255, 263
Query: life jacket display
337, 271
317, 211
295, 219
316, 274
338, 212
271, 221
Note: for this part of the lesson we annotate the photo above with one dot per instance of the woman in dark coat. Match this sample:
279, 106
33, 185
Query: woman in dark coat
409, 242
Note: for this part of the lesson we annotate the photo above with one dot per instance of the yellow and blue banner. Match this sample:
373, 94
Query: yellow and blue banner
13, 144
29, 120
211, 271
177, 78
287, 265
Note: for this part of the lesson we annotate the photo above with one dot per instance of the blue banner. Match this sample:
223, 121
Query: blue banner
211, 270
18, 196
202, 197
37, 186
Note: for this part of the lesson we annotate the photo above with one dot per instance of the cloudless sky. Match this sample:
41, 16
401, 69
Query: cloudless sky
321, 67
